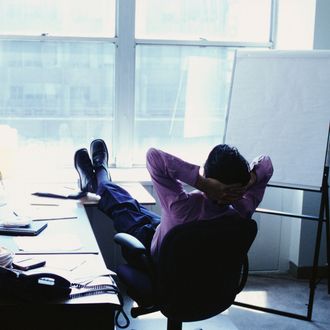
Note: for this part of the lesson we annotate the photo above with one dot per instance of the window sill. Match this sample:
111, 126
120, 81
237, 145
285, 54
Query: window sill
140, 174
70, 176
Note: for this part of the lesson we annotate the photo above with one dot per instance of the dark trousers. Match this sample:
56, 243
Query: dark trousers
129, 215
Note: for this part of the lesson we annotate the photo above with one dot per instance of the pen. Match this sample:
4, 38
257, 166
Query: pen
54, 218
75, 267
1, 180
43, 204
69, 188
25, 259
54, 252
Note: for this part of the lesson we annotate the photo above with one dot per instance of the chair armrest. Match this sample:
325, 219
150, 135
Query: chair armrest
130, 244
135, 253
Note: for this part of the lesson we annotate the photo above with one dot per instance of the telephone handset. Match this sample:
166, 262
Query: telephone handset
37, 285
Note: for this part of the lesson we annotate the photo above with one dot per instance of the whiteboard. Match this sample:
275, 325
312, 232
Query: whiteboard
279, 105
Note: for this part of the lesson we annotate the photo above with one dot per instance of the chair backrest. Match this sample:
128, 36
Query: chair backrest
199, 266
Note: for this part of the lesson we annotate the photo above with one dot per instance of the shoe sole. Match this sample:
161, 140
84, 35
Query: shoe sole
75, 162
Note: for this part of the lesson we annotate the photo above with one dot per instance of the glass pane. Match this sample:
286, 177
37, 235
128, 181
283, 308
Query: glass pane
54, 97
58, 18
234, 20
181, 99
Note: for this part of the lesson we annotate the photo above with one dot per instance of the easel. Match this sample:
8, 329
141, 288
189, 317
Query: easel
323, 217
263, 105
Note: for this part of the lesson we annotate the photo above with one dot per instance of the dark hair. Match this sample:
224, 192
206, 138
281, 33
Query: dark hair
227, 165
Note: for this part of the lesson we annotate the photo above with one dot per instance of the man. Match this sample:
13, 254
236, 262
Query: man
229, 186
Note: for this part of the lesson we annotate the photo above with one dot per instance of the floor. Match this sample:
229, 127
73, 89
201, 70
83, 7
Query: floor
280, 292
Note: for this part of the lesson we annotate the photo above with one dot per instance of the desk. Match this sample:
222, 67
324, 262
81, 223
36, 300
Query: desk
103, 226
83, 313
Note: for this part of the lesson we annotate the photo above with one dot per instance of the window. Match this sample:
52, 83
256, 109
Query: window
230, 20
184, 58
135, 73
181, 93
57, 77
58, 18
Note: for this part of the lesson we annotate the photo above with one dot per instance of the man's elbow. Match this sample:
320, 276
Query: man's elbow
270, 168
151, 156
153, 160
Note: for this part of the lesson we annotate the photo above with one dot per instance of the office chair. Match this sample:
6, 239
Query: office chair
201, 268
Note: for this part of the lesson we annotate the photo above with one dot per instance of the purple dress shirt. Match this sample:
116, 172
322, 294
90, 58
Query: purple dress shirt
168, 173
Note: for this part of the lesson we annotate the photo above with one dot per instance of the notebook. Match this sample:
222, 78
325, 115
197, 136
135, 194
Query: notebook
31, 230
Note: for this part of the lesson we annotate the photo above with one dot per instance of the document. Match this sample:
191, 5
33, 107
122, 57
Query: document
39, 213
47, 243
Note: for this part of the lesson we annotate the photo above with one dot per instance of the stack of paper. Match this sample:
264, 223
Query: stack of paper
6, 257
9, 218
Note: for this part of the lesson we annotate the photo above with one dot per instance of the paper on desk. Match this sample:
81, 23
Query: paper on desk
9, 218
91, 268
36, 213
44, 243
77, 267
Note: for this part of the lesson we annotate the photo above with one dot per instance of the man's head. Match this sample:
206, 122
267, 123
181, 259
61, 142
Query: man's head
227, 165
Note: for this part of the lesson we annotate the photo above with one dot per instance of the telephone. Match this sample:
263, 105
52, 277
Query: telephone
34, 286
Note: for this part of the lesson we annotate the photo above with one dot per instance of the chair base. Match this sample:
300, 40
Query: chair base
171, 324
137, 311
174, 325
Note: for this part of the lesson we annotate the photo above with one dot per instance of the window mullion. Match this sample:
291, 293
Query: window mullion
124, 83
273, 25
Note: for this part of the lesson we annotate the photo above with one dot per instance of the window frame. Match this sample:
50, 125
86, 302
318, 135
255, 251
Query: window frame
125, 44
125, 73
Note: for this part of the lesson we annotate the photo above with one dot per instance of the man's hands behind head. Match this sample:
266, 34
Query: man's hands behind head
223, 193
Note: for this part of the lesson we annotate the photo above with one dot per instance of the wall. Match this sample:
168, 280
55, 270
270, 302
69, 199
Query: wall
295, 24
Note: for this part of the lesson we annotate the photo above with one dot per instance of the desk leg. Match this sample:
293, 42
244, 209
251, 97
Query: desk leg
63, 317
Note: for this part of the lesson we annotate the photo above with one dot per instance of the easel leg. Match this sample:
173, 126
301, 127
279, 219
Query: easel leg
324, 212
312, 282
327, 235
325, 192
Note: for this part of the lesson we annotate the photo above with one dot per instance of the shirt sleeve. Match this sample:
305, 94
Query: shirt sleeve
168, 172
263, 169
